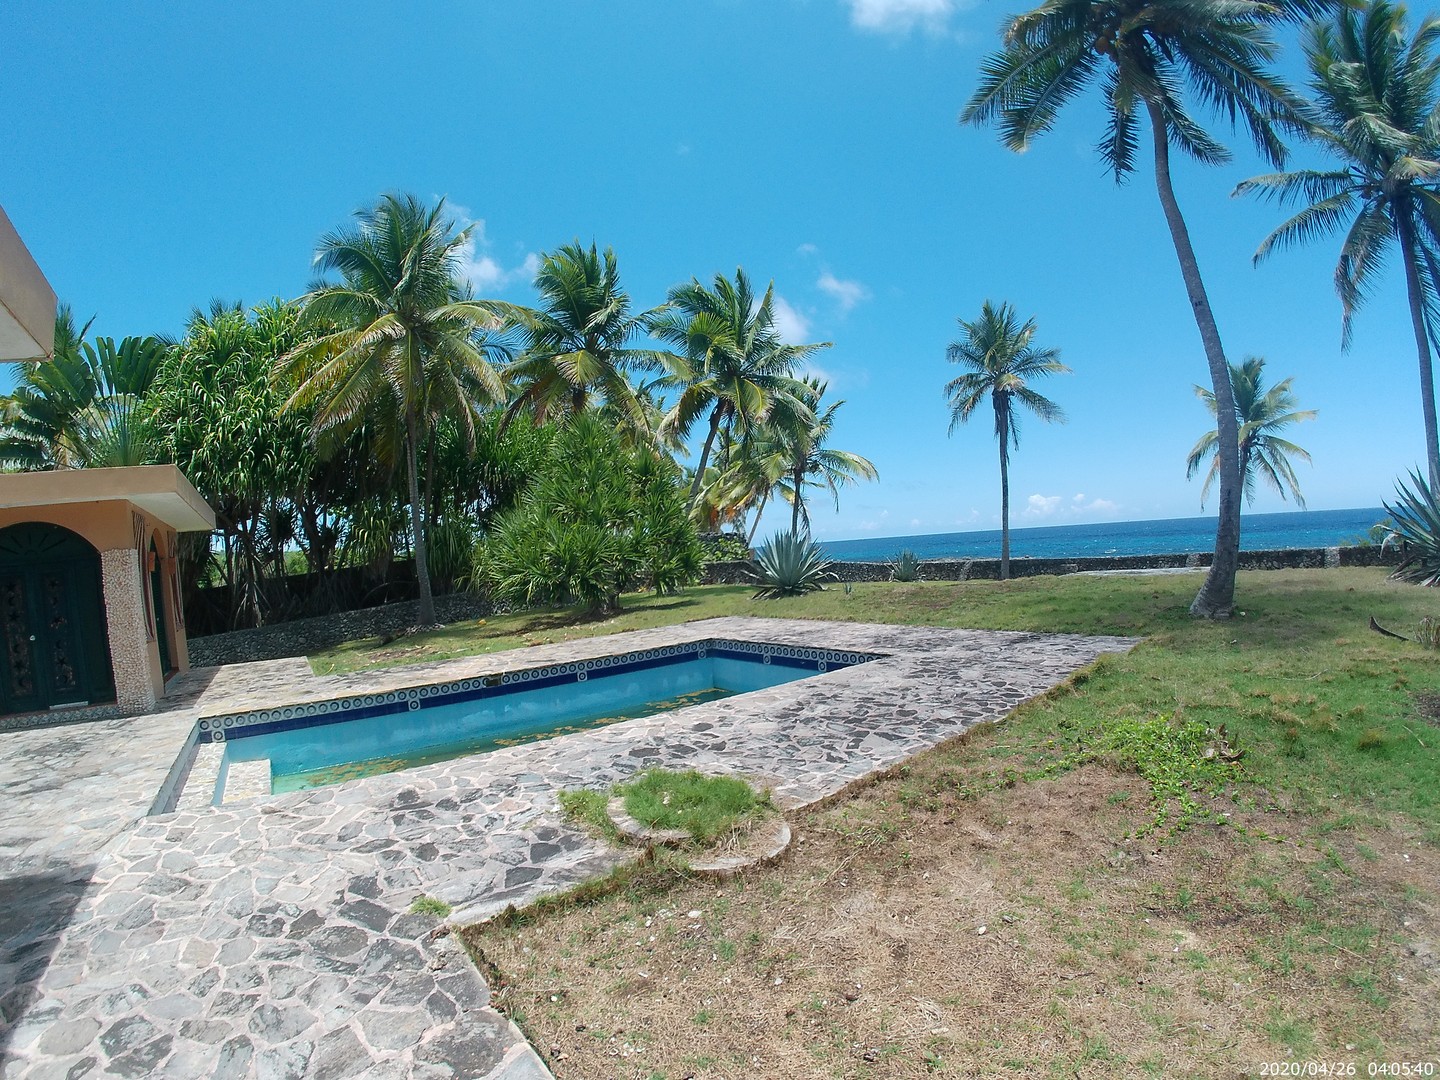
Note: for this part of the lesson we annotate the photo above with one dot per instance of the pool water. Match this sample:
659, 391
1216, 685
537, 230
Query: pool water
354, 770
485, 715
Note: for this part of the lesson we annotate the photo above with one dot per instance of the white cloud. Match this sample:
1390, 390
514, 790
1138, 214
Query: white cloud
901, 16
807, 249
1040, 507
790, 324
846, 293
478, 266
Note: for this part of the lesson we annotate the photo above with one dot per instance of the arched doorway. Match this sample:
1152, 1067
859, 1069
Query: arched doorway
52, 620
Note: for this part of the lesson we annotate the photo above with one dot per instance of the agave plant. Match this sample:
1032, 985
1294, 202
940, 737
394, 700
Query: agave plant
1416, 515
791, 565
906, 567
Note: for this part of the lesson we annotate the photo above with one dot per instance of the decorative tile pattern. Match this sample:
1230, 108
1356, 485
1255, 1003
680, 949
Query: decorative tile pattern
273, 939
239, 725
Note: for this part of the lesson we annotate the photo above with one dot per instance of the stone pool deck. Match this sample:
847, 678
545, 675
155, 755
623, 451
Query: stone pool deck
272, 938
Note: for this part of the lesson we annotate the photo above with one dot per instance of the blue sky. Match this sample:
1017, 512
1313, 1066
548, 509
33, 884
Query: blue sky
159, 156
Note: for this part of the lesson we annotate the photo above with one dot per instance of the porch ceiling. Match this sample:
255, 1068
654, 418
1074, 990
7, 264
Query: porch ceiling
162, 491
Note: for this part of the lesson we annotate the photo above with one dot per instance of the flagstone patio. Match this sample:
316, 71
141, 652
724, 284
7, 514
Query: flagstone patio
272, 938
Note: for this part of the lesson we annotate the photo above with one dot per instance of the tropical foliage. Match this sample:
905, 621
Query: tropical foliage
580, 342
790, 564
1377, 104
736, 371
906, 567
1145, 55
368, 427
599, 518
1416, 517
83, 407
401, 346
1001, 361
1261, 413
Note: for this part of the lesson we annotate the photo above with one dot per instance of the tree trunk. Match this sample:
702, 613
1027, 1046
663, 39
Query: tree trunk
716, 415
1422, 346
426, 615
797, 477
1216, 597
759, 510
1002, 428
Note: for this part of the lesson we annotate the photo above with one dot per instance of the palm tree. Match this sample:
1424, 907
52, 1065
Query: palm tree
1145, 54
1261, 413
85, 406
1377, 96
735, 367
578, 342
807, 462
402, 341
997, 350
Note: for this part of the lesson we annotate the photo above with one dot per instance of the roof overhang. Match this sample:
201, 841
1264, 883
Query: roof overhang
160, 490
27, 302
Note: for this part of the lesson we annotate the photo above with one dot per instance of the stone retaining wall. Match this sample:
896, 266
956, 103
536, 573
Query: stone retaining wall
301, 637
742, 573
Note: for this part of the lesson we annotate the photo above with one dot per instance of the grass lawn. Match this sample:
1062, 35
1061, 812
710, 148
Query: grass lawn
1004, 905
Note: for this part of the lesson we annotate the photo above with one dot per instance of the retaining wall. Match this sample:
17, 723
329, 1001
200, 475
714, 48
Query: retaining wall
742, 573
300, 637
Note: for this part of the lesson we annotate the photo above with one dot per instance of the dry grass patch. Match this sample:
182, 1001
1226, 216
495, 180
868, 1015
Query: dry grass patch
936, 923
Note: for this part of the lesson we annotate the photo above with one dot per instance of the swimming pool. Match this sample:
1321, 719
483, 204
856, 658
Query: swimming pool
330, 742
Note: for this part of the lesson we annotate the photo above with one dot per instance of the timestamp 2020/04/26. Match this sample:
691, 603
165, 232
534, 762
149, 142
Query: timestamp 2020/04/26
1350, 1068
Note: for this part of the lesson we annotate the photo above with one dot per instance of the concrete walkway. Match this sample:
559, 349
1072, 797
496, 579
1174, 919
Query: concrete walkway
272, 938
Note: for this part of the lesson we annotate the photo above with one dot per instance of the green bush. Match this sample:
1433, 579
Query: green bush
725, 547
790, 565
600, 518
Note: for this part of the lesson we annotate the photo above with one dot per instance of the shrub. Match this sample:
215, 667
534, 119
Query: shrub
450, 549
906, 567
1416, 515
790, 565
725, 547
600, 518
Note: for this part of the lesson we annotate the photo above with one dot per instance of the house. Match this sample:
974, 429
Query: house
90, 610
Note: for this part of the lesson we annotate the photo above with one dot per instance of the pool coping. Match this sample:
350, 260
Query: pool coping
202, 775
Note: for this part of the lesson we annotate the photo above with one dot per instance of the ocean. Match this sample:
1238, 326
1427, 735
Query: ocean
1258, 532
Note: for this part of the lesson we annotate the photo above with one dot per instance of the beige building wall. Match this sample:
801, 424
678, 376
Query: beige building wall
123, 533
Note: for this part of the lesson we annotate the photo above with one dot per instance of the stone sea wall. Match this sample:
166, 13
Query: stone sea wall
741, 573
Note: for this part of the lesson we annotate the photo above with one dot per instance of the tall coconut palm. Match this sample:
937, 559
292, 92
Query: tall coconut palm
735, 367
1261, 414
401, 340
1377, 95
1001, 360
579, 342
806, 460
1145, 54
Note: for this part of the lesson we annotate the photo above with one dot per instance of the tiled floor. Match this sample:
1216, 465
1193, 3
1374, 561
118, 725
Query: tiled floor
272, 938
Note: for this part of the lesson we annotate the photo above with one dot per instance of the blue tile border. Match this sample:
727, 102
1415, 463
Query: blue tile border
229, 726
